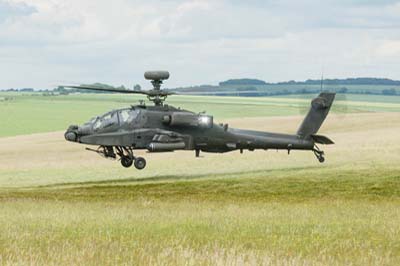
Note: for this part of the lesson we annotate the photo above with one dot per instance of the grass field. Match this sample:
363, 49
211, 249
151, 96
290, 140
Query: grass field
62, 205
27, 114
293, 88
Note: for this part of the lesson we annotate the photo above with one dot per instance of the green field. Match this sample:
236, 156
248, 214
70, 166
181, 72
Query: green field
291, 88
350, 97
61, 205
34, 113
277, 217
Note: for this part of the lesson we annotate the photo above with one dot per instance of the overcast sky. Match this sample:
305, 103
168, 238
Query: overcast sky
47, 42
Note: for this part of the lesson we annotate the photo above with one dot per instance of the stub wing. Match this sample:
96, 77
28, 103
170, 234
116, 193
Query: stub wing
155, 140
109, 139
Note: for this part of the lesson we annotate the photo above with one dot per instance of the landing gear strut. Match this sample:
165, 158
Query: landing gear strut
319, 154
127, 158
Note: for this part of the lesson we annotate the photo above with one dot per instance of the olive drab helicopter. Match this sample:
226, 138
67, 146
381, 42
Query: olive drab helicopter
164, 128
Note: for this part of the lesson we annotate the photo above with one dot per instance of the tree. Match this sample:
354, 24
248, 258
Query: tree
137, 87
389, 92
242, 82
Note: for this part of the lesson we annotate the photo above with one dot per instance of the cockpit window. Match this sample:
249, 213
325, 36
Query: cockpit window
128, 115
106, 120
93, 119
97, 124
123, 116
133, 115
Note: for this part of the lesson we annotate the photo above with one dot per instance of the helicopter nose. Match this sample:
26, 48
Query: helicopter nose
71, 134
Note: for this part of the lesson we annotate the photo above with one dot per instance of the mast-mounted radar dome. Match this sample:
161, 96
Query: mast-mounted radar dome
156, 75
157, 95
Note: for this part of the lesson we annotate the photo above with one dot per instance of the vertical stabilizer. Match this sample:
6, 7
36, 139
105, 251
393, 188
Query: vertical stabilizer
319, 110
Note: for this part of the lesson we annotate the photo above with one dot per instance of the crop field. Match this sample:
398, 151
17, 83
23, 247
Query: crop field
62, 205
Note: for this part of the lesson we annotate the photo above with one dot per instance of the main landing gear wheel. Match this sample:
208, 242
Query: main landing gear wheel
140, 163
128, 159
126, 162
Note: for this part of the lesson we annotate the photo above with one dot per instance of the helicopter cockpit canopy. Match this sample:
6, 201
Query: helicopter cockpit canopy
114, 118
107, 120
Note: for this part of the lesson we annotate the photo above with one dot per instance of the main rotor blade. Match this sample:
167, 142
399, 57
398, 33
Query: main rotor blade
151, 93
111, 89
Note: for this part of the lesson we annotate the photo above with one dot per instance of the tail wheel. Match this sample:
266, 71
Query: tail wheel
319, 154
140, 163
126, 162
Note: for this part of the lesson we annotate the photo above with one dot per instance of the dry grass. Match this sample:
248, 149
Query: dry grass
263, 208
362, 140
200, 233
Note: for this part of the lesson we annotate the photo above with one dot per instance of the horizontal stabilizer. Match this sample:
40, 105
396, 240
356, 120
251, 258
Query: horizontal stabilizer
322, 139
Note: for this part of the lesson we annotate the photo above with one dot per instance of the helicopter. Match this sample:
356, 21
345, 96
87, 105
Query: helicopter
165, 128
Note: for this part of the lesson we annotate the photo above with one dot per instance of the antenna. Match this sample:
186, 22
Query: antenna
322, 80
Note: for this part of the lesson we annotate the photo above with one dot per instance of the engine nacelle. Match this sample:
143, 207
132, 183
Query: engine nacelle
182, 119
